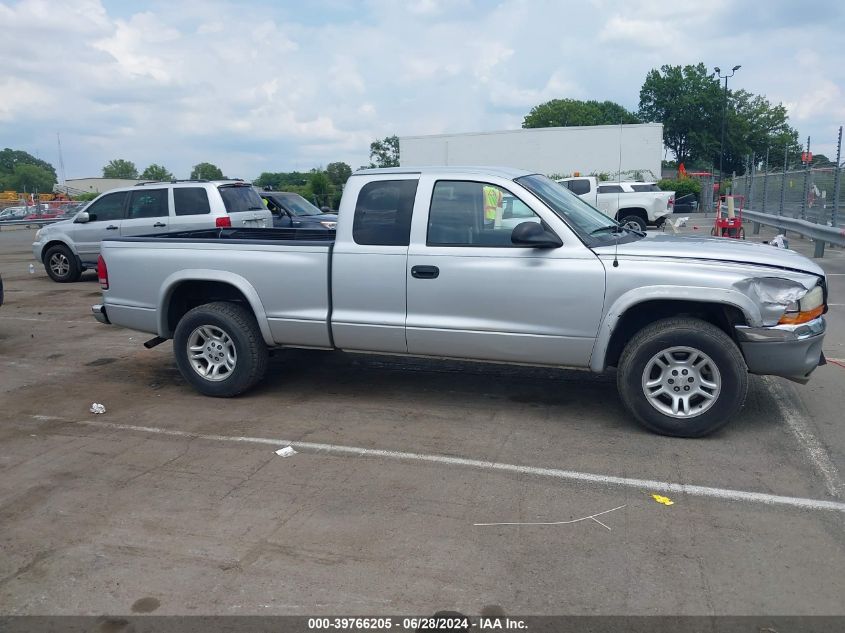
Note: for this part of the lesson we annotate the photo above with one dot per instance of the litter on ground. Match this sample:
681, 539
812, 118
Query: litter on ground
287, 451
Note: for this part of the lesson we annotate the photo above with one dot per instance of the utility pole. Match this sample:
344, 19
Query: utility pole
724, 115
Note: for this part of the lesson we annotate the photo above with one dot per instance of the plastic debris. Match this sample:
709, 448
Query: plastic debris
31, 269
664, 500
287, 451
780, 241
96, 407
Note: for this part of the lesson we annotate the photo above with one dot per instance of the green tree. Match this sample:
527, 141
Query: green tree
29, 178
282, 180
688, 101
120, 168
11, 157
206, 171
338, 173
156, 172
385, 153
569, 112
320, 188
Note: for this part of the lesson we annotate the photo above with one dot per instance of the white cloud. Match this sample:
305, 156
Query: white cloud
273, 86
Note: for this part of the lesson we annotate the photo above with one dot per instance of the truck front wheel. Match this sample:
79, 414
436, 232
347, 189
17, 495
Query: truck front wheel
682, 377
219, 349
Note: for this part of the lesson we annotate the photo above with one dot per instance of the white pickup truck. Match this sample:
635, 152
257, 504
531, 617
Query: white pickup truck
425, 263
635, 205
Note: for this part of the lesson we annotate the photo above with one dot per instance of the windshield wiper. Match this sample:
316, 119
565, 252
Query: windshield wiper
615, 228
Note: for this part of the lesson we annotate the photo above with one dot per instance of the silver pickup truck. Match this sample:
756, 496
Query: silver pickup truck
428, 262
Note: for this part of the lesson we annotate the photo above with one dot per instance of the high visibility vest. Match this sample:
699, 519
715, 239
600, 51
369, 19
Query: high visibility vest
492, 202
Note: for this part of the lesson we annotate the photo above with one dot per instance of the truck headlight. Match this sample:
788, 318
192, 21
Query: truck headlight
807, 308
328, 224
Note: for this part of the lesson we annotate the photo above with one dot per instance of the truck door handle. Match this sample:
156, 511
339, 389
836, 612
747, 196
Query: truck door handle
111, 227
159, 225
425, 272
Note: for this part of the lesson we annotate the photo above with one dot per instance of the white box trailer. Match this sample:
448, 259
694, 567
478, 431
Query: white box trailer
550, 150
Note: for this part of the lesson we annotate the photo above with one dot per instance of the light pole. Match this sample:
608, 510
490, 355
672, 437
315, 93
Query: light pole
724, 115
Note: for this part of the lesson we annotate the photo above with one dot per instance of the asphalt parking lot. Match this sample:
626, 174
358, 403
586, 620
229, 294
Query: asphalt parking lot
173, 503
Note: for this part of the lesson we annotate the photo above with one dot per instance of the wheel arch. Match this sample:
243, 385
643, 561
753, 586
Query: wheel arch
638, 211
637, 308
59, 242
188, 289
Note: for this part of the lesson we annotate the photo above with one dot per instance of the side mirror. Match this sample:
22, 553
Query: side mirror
82, 217
326, 209
533, 234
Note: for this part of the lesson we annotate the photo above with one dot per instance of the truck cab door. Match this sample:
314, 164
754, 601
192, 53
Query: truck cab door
369, 261
473, 294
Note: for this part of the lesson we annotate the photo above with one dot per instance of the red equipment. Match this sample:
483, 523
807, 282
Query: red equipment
725, 226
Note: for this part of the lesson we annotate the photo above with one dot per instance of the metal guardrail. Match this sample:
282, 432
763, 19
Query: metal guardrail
29, 222
821, 234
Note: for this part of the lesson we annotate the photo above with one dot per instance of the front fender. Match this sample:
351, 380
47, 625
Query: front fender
635, 296
220, 276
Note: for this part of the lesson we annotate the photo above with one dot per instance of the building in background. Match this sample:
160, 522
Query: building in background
76, 186
595, 149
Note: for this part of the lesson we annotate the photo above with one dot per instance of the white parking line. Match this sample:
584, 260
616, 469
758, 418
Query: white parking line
553, 473
798, 425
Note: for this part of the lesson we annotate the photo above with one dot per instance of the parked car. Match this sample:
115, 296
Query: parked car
13, 213
68, 247
636, 205
418, 268
290, 210
686, 204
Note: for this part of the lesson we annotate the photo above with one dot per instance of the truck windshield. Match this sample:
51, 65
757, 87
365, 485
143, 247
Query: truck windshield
298, 205
590, 223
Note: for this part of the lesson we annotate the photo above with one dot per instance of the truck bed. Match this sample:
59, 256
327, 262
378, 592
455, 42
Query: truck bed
284, 274
246, 235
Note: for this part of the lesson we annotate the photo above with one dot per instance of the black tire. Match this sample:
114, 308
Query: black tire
633, 219
61, 264
700, 336
242, 335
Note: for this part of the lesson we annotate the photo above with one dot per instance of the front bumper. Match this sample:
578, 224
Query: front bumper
37, 251
791, 351
99, 312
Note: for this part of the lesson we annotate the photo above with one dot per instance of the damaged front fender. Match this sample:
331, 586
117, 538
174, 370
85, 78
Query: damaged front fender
772, 294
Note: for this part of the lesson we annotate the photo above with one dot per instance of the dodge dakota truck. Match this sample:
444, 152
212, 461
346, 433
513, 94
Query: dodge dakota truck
424, 263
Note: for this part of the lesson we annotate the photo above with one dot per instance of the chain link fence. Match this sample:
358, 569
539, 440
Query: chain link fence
813, 193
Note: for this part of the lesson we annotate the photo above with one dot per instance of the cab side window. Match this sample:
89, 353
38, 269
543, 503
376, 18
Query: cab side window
148, 203
107, 208
474, 214
383, 213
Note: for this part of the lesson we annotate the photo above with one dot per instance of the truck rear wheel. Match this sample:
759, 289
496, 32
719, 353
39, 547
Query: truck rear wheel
219, 349
682, 377
632, 221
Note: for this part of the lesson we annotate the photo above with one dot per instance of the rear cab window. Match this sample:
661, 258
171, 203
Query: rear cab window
646, 187
191, 201
578, 187
240, 198
383, 213
610, 189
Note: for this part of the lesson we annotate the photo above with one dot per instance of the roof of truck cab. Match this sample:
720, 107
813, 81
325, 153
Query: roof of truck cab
501, 172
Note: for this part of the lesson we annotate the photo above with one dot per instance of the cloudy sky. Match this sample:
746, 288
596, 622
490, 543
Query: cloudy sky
275, 86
